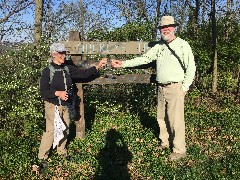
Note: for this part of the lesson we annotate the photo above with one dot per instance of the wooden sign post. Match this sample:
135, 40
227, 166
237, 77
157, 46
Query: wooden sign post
80, 124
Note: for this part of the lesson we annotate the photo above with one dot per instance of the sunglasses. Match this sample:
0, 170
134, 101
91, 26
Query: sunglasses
63, 52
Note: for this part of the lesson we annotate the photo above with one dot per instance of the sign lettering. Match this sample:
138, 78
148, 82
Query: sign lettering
131, 47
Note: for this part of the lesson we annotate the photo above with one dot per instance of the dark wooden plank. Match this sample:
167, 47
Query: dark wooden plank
124, 78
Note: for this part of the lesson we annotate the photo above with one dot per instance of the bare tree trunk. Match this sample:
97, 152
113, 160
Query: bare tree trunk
82, 19
38, 21
214, 49
229, 17
197, 18
49, 28
157, 19
204, 12
180, 29
238, 86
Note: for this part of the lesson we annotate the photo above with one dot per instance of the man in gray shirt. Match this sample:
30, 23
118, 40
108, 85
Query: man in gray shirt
175, 73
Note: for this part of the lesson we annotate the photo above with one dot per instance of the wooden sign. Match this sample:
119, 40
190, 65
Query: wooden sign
78, 49
131, 47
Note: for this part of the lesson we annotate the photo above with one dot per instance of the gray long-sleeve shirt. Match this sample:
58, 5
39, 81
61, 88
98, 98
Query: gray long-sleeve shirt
168, 66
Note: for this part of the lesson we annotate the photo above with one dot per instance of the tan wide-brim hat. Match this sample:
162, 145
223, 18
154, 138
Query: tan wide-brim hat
167, 21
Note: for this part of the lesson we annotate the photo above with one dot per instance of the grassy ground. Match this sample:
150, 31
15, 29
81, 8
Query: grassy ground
122, 143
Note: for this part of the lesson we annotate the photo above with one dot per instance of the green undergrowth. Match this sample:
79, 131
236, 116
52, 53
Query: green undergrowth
122, 143
121, 130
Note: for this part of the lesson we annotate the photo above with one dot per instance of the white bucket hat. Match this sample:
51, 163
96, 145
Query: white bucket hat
167, 21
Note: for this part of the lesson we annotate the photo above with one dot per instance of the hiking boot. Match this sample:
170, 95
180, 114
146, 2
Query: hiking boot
176, 156
65, 156
162, 148
42, 166
63, 153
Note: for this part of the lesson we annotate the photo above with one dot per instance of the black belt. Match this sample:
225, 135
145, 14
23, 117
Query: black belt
167, 84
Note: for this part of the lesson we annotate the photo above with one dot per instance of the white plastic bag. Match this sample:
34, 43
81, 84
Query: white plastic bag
59, 127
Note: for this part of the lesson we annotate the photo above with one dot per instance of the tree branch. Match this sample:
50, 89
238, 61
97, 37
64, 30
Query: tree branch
17, 8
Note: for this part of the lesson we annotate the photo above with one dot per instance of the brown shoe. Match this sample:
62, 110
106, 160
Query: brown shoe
162, 148
176, 156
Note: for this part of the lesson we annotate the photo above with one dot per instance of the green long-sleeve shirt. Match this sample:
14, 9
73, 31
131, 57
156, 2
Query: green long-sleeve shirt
168, 66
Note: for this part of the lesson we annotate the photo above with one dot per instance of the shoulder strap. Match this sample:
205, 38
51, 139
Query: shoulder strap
178, 58
64, 76
67, 69
52, 72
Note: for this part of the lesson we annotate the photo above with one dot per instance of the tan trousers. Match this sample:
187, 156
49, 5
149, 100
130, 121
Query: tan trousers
170, 117
48, 135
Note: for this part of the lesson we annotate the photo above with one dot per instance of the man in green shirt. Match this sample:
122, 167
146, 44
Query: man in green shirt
175, 73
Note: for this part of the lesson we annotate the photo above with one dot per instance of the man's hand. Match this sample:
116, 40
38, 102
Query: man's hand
62, 94
101, 63
116, 63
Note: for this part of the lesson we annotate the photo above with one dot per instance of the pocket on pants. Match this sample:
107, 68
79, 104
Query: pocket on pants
48, 105
49, 111
180, 91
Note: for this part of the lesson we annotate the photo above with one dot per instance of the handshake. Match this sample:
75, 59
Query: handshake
114, 63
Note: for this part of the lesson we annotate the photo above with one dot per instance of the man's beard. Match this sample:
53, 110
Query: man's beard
168, 37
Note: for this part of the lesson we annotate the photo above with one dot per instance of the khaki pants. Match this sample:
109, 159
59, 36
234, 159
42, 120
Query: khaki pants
48, 135
170, 117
